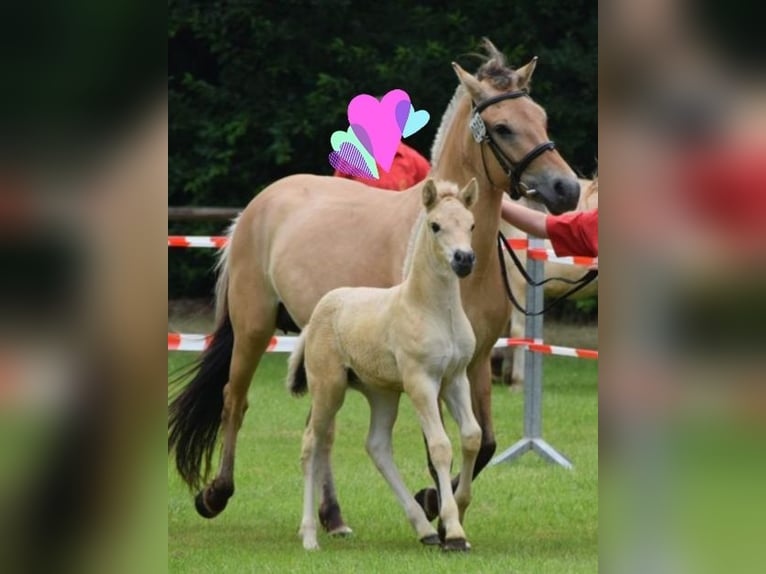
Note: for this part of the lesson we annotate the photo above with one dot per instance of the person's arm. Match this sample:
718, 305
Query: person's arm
528, 220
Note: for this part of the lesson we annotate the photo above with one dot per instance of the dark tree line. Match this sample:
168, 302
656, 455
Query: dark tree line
256, 88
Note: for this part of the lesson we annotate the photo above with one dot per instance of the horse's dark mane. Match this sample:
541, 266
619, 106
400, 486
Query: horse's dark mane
500, 76
495, 69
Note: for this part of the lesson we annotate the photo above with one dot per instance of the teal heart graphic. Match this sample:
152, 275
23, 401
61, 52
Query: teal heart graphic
415, 121
338, 138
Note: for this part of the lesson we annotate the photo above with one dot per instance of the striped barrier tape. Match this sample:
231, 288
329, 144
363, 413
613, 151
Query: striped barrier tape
196, 241
549, 254
186, 342
217, 242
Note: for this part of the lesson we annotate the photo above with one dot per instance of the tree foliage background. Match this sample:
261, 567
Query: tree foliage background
256, 88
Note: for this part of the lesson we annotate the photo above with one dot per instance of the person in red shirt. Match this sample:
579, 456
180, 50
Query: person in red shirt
572, 233
408, 168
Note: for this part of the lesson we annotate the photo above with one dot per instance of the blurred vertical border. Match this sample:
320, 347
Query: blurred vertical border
83, 190
682, 132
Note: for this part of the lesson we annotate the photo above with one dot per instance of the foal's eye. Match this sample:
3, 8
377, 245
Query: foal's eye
502, 130
435, 227
473, 227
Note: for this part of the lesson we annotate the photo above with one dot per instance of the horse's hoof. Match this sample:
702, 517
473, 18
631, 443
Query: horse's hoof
431, 540
456, 545
341, 532
441, 530
202, 508
428, 499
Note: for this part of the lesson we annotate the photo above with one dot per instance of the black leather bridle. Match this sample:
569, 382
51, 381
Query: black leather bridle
482, 135
515, 171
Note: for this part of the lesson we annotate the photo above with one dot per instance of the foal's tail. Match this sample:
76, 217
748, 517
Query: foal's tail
297, 383
194, 415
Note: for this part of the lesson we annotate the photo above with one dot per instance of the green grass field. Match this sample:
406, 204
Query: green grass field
526, 517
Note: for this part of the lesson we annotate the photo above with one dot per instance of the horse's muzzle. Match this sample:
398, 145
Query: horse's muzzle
462, 263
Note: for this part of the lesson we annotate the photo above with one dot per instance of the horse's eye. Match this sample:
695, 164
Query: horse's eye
435, 227
502, 130
473, 227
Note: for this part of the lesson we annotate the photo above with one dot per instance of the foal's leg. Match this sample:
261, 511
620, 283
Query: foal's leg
424, 393
458, 398
329, 509
327, 385
384, 407
247, 352
480, 378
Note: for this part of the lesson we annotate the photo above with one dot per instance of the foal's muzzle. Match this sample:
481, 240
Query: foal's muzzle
462, 263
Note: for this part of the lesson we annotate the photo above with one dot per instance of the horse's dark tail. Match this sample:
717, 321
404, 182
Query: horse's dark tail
194, 415
297, 383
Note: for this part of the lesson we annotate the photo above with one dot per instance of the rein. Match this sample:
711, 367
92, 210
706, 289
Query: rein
482, 135
578, 284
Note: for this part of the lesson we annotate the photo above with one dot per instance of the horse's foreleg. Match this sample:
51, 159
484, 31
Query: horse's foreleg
458, 399
245, 357
424, 395
480, 378
481, 401
384, 407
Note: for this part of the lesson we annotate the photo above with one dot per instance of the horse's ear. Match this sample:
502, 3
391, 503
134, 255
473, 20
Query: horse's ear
470, 82
429, 194
525, 73
469, 194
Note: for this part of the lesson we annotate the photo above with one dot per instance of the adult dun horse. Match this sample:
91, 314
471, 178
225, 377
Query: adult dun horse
305, 235
413, 338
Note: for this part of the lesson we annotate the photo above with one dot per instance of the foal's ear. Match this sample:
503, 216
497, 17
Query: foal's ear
525, 73
470, 82
469, 194
429, 194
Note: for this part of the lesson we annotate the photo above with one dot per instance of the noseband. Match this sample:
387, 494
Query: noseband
482, 135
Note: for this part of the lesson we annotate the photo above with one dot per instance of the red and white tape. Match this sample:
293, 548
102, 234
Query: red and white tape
549, 254
217, 242
186, 342
196, 241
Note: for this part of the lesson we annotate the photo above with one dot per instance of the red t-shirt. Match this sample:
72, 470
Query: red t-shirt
408, 168
574, 233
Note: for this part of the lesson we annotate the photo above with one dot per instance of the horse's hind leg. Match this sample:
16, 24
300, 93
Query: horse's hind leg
329, 510
327, 389
384, 407
250, 342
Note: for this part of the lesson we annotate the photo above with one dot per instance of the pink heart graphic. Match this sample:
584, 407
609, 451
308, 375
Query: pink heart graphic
379, 124
348, 160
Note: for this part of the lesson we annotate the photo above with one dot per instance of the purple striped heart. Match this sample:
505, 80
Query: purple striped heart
348, 160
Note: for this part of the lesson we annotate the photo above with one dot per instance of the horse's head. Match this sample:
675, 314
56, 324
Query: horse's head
449, 222
512, 132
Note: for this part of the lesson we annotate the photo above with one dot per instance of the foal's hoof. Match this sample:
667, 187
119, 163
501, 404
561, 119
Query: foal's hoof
456, 545
428, 499
431, 540
341, 531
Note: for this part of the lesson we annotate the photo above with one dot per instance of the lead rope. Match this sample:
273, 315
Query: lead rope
578, 283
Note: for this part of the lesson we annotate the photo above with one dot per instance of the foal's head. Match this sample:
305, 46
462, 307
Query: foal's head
449, 223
